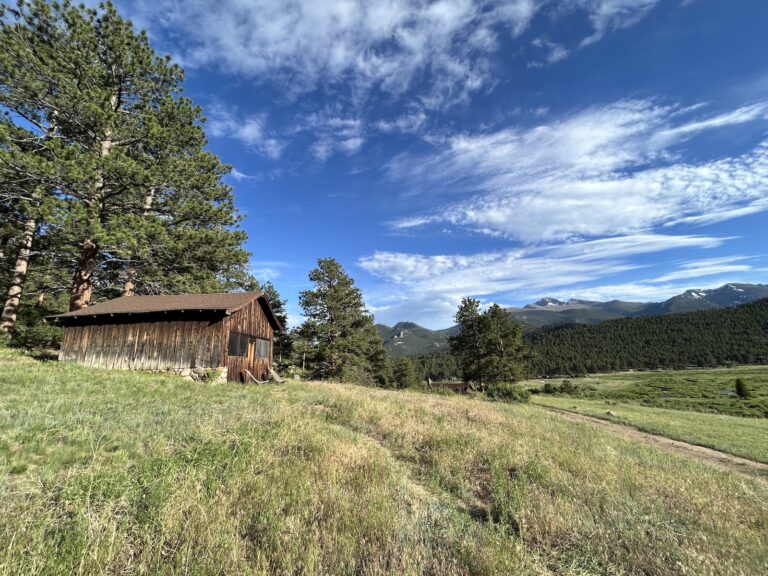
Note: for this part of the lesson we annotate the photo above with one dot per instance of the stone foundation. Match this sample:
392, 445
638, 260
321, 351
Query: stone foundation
200, 374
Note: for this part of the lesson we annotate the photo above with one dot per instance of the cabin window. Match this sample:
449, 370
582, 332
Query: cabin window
238, 345
262, 348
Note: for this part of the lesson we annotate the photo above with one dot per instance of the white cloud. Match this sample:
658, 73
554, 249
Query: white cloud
410, 123
603, 171
266, 270
428, 288
333, 133
390, 44
553, 52
224, 122
707, 267
608, 15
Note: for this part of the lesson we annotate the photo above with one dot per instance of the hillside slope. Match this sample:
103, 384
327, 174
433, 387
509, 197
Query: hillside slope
705, 338
409, 339
118, 472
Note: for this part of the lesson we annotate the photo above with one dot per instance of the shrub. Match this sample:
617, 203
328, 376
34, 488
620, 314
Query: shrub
550, 388
742, 390
506, 392
38, 335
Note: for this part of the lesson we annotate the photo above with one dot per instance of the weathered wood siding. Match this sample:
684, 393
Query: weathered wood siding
156, 343
253, 321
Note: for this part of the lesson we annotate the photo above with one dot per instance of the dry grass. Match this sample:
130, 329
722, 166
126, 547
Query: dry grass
111, 472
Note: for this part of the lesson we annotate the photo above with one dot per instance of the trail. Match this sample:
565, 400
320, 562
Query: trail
722, 460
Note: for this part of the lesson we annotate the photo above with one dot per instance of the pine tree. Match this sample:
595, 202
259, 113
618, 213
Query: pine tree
112, 161
465, 345
29, 141
338, 334
404, 373
283, 343
489, 346
503, 355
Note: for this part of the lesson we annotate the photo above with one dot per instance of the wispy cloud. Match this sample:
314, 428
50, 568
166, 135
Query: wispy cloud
225, 122
332, 133
266, 270
608, 15
603, 171
303, 44
428, 288
426, 282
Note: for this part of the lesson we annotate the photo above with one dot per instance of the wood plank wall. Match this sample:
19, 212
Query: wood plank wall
251, 320
156, 344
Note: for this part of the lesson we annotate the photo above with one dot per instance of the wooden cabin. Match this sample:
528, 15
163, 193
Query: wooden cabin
180, 333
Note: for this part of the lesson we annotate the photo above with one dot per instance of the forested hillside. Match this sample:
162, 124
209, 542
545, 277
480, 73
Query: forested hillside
707, 338
410, 339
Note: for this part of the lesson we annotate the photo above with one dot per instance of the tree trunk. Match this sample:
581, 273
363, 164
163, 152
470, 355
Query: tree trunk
19, 277
129, 286
21, 268
82, 281
131, 271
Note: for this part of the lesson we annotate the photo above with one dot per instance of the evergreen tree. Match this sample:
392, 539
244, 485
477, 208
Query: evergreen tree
489, 346
103, 172
404, 373
502, 353
465, 345
338, 335
283, 343
29, 142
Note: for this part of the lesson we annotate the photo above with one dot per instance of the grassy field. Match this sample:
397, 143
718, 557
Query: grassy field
746, 437
116, 472
710, 390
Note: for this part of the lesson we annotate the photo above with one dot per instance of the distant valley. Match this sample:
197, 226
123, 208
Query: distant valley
409, 339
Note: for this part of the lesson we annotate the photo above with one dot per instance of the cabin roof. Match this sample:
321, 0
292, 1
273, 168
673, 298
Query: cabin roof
226, 303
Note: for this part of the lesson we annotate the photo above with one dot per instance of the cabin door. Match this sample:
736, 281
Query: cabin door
256, 363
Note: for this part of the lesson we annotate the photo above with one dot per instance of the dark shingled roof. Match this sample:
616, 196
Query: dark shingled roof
225, 302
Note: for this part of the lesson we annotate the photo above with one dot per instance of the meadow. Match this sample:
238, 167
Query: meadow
119, 472
711, 390
745, 437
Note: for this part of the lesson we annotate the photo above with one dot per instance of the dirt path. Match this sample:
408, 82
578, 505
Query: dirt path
715, 457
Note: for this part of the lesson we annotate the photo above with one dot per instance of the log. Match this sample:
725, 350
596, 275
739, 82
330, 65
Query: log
276, 376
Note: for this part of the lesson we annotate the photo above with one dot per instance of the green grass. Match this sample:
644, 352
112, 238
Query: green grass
711, 390
117, 472
746, 437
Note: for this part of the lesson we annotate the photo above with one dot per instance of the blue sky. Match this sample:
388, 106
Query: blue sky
503, 150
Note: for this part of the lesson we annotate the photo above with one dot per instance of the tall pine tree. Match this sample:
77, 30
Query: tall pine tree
489, 346
338, 335
103, 155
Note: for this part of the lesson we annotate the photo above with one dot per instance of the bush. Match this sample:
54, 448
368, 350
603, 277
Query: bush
506, 392
565, 387
39, 335
742, 391
550, 388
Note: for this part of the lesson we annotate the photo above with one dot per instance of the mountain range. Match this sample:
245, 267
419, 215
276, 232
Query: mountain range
408, 338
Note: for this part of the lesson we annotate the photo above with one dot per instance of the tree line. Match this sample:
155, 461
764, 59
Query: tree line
106, 186
673, 341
